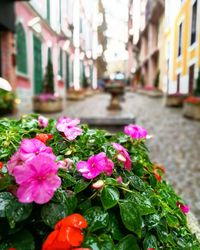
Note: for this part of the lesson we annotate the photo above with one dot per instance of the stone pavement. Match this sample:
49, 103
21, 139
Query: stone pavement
175, 143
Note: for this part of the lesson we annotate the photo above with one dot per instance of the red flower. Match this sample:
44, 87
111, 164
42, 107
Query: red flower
1, 165
67, 234
193, 100
157, 170
44, 137
12, 248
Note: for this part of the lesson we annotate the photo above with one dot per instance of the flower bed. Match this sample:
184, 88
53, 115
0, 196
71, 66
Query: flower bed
47, 103
191, 108
65, 186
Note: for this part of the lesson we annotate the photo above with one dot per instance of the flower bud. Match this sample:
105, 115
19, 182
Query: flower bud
98, 185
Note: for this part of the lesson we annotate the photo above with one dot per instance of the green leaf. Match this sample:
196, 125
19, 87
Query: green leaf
5, 199
96, 218
137, 183
67, 179
150, 242
115, 226
152, 220
172, 220
127, 243
22, 240
142, 203
106, 242
111, 181
71, 201
80, 186
92, 243
131, 217
53, 212
6, 181
109, 197
16, 212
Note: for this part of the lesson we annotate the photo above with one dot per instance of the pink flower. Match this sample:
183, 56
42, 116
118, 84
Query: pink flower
95, 165
135, 131
184, 208
29, 148
14, 161
37, 180
69, 127
109, 165
43, 121
123, 155
65, 164
119, 179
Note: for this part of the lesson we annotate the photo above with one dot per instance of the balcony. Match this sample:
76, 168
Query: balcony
154, 10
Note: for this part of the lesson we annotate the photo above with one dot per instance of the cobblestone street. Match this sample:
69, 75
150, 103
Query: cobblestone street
175, 142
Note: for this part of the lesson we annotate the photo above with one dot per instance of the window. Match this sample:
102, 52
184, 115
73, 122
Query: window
21, 49
61, 64
48, 11
194, 23
180, 39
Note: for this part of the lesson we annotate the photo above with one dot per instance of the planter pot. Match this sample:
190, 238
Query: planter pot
142, 92
116, 91
174, 100
155, 93
75, 95
47, 106
89, 92
191, 110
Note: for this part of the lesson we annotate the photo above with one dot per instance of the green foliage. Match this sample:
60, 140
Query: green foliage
157, 79
197, 90
142, 81
7, 101
49, 78
139, 213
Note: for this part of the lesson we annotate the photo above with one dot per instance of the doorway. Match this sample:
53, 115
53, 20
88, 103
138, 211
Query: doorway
191, 79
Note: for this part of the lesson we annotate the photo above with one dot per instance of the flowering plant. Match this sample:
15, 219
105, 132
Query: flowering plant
194, 100
7, 101
92, 191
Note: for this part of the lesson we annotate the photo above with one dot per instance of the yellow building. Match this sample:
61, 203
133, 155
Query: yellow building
182, 45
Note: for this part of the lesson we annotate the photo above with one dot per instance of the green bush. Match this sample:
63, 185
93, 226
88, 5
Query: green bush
140, 212
157, 79
7, 101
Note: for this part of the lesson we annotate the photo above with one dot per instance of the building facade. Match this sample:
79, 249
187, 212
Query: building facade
147, 35
58, 31
166, 38
182, 38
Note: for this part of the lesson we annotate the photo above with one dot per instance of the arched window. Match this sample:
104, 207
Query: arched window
21, 49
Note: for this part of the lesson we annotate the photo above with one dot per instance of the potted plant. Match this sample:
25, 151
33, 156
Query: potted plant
141, 89
48, 101
155, 91
7, 102
175, 100
65, 186
191, 108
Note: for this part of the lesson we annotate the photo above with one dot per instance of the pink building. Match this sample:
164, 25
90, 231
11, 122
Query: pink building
63, 31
